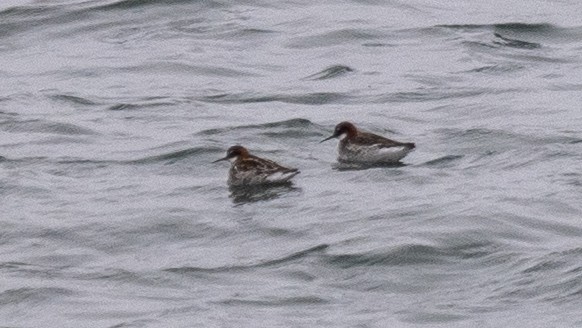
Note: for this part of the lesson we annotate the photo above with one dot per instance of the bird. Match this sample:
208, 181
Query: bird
367, 148
250, 170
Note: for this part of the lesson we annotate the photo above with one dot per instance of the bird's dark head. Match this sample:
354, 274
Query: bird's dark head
342, 130
233, 153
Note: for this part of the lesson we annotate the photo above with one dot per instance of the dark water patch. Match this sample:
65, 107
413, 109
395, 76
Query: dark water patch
148, 102
93, 163
573, 179
75, 100
175, 156
404, 255
291, 134
178, 227
350, 166
488, 137
333, 38
507, 27
18, 19
453, 250
479, 45
163, 67
290, 129
293, 124
330, 73
124, 107
497, 69
206, 28
239, 34
252, 194
470, 245
276, 302
496, 50
20, 269
23, 191
511, 49
41, 18
317, 98
21, 11
517, 41
251, 32
557, 261
507, 161
136, 323
566, 87
422, 317
193, 25
227, 269
7, 115
377, 45
555, 277
444, 162
545, 266
67, 235
120, 275
32, 296
239, 98
137, 4
9, 266
542, 225
166, 158
526, 27
432, 94
513, 43
43, 126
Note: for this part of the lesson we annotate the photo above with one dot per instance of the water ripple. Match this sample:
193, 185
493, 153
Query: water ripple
296, 128
274, 302
507, 42
43, 126
316, 98
289, 258
32, 296
335, 37
330, 73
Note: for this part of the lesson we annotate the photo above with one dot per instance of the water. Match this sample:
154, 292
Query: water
111, 113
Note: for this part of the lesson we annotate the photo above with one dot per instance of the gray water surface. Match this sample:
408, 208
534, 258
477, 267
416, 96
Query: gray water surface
112, 214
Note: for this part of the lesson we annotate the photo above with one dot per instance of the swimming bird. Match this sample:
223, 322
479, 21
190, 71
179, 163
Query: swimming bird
249, 170
367, 148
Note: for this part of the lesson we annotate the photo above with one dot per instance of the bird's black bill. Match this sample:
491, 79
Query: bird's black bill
220, 160
326, 139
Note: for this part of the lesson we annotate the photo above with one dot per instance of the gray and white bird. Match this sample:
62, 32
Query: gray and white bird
250, 170
367, 148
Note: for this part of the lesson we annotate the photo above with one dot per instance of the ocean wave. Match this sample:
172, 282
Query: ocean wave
312, 98
44, 126
414, 254
268, 263
330, 73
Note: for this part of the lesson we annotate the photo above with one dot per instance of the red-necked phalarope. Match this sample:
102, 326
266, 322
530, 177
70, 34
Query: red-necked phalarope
247, 169
368, 148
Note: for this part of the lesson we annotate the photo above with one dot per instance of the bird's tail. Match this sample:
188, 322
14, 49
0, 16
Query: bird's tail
409, 145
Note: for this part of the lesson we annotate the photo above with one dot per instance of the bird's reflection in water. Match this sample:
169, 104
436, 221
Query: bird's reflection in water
251, 194
345, 166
